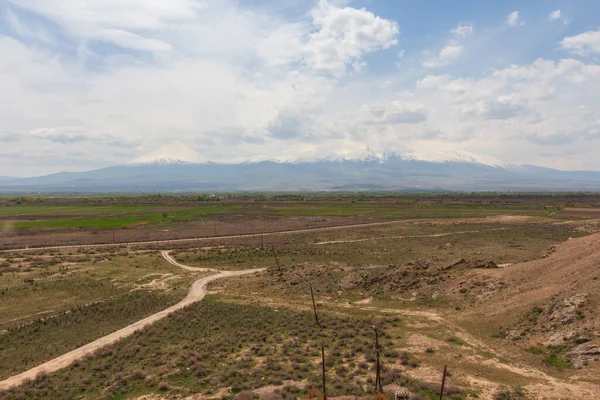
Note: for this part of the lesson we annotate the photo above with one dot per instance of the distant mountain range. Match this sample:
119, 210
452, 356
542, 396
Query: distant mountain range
175, 167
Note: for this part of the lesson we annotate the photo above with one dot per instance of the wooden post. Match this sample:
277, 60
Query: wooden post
276, 260
443, 383
314, 305
323, 377
262, 240
378, 387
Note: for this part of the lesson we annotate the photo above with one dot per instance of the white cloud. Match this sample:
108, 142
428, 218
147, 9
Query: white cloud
449, 53
584, 44
344, 35
513, 19
462, 31
123, 22
239, 83
554, 15
453, 49
132, 41
499, 107
75, 134
432, 82
394, 112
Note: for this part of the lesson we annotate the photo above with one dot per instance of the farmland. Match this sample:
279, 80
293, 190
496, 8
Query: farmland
436, 274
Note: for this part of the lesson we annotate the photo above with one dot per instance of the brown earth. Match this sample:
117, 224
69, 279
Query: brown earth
551, 302
225, 226
572, 268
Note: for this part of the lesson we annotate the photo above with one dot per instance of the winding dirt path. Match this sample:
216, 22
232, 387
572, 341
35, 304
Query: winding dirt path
196, 293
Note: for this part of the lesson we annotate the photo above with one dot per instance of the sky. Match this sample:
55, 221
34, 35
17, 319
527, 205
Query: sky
89, 84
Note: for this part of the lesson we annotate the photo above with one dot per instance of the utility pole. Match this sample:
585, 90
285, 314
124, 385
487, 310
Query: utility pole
443, 383
378, 386
323, 377
276, 260
262, 238
314, 305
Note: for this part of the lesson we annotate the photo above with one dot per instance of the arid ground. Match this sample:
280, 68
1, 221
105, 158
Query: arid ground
104, 297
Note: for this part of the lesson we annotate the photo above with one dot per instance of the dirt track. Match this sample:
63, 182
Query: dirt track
410, 236
205, 238
196, 293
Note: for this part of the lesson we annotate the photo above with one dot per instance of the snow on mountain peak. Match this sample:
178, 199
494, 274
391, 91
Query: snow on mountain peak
442, 156
380, 156
173, 152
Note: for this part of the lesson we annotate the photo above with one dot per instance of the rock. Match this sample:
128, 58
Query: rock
581, 339
580, 355
514, 335
559, 338
483, 264
453, 264
565, 312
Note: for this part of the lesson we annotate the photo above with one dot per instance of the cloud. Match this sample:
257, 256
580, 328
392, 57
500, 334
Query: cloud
90, 84
395, 112
513, 19
432, 82
132, 41
583, 44
76, 134
288, 124
500, 107
554, 15
462, 31
453, 49
132, 24
344, 35
449, 53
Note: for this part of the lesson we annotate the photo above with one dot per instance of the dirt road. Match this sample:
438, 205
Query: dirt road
434, 235
205, 238
196, 293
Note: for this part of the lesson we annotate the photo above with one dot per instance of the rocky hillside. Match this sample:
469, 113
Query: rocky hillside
552, 301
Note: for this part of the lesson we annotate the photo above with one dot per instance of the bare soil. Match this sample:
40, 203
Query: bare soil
225, 226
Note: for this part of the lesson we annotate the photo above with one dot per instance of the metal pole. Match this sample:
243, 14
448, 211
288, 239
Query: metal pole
443, 383
323, 378
314, 305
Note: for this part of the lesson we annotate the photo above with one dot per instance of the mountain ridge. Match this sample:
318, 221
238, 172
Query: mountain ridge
175, 167
176, 152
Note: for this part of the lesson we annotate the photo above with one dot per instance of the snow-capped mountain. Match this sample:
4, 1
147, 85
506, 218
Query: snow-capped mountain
176, 167
444, 156
173, 152
382, 156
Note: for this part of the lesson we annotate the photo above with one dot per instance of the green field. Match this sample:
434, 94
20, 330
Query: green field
103, 217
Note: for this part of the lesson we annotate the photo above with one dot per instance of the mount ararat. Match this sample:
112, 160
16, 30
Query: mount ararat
176, 167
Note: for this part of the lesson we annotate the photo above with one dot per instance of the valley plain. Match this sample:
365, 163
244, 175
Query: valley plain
500, 288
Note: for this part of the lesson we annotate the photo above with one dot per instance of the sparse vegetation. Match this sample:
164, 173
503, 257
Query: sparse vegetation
424, 282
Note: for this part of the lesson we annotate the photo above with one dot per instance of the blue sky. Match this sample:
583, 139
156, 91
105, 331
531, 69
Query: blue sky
91, 84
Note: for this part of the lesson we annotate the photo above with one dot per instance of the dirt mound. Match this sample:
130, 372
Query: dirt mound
553, 300
571, 269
